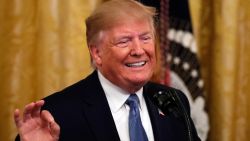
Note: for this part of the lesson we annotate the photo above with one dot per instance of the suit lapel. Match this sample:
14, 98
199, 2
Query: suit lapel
97, 111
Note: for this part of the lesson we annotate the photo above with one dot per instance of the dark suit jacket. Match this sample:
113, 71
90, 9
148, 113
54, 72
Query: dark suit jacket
83, 113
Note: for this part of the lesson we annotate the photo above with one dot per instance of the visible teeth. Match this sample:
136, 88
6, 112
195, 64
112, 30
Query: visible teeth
136, 64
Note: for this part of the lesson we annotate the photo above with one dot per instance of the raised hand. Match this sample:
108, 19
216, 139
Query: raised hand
36, 125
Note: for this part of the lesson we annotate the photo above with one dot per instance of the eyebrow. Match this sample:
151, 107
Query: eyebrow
129, 36
145, 33
122, 37
141, 34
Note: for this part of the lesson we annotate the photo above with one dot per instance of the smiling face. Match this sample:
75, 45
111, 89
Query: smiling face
126, 54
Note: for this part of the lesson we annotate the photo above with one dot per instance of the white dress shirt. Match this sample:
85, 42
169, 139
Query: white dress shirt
120, 111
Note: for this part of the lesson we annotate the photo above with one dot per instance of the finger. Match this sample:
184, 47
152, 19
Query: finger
17, 118
47, 118
27, 111
55, 130
37, 109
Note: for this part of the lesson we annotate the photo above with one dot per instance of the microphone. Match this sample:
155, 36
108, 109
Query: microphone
164, 99
169, 102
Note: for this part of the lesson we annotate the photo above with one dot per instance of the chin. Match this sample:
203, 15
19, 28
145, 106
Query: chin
139, 78
140, 81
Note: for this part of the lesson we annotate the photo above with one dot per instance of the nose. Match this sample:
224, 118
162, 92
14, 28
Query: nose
137, 48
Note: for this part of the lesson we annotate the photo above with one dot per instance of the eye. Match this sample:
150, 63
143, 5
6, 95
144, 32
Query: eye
124, 42
146, 38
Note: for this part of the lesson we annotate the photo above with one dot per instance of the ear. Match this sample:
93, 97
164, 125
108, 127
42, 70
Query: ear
95, 54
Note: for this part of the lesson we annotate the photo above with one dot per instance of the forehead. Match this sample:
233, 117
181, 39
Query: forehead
132, 28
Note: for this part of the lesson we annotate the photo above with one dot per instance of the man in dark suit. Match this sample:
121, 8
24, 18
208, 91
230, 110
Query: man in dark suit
121, 41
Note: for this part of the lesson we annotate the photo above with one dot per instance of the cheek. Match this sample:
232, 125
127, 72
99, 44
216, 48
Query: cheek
114, 56
151, 52
153, 55
119, 54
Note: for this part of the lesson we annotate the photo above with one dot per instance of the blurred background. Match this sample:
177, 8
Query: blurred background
43, 49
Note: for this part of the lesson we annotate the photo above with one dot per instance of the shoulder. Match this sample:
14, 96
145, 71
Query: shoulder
87, 84
74, 93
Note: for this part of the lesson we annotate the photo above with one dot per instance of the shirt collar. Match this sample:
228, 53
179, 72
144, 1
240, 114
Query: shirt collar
115, 95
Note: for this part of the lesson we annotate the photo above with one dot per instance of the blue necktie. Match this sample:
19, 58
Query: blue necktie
136, 130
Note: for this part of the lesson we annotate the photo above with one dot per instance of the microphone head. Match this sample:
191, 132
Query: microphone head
164, 98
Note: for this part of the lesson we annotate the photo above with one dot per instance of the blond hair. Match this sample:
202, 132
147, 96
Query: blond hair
113, 12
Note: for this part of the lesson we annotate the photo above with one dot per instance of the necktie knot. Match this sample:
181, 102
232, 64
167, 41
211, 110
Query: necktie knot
133, 101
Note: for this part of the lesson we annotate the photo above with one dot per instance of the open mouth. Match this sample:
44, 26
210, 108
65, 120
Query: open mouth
137, 64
